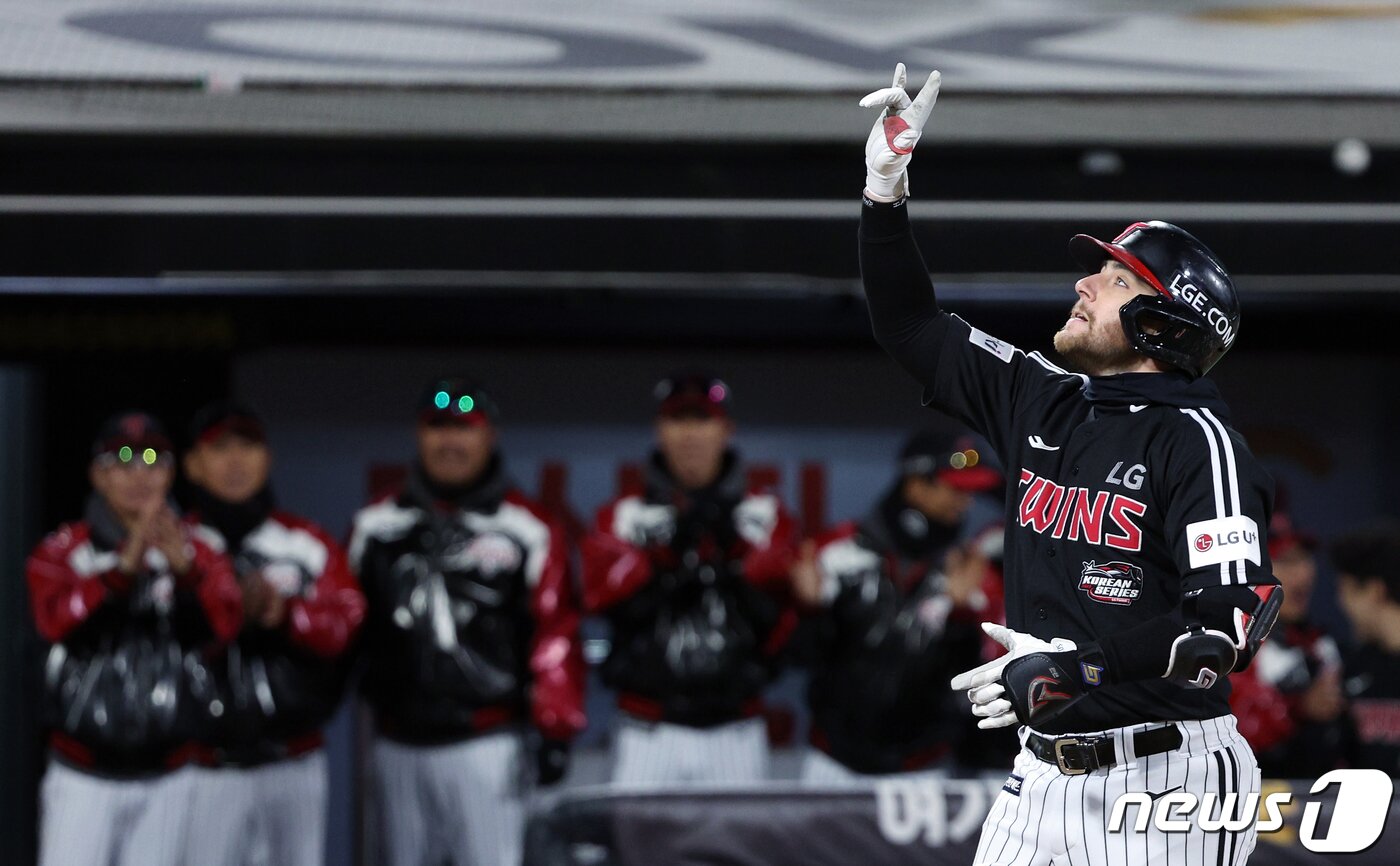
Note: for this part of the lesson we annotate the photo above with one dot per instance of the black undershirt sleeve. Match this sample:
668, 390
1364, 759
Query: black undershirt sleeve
1143, 651
903, 310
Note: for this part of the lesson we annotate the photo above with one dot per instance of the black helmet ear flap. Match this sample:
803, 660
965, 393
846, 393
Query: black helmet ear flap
1165, 330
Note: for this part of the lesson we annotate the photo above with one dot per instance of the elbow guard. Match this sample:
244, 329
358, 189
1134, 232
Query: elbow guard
1224, 627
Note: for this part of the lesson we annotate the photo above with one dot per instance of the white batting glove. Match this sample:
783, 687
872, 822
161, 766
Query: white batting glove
892, 139
983, 683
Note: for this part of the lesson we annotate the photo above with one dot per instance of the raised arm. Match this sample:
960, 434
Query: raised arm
903, 309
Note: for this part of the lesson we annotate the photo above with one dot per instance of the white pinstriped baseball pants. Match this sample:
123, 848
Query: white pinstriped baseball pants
274, 814
462, 803
88, 819
666, 754
1063, 820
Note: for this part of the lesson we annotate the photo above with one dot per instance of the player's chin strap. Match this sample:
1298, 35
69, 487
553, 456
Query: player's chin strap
1224, 626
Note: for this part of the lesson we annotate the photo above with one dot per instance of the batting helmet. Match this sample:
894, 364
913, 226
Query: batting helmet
1195, 316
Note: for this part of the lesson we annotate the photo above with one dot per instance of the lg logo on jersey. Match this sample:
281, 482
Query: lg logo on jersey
1358, 817
1224, 539
1077, 512
1132, 479
1205, 542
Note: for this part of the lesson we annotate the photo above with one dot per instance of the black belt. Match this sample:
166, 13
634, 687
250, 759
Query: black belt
1076, 756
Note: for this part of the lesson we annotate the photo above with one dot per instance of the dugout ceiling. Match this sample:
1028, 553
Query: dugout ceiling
616, 171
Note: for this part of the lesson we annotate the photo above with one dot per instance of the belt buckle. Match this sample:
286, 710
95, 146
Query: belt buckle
1073, 765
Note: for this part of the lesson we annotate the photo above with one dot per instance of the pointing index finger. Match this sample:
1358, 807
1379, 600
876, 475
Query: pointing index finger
917, 113
1001, 634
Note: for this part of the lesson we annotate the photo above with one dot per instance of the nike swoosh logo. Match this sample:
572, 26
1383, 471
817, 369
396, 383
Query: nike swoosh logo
1037, 442
1152, 796
1136, 408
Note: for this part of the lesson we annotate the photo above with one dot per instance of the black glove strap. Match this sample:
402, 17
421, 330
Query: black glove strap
1042, 685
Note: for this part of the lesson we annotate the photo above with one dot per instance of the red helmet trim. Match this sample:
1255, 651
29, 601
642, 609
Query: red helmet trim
1133, 263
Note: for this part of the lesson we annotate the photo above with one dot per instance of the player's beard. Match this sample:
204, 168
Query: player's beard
1097, 351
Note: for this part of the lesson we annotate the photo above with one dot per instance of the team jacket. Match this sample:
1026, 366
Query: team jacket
277, 687
1373, 680
1266, 699
472, 620
1123, 492
886, 642
694, 584
127, 663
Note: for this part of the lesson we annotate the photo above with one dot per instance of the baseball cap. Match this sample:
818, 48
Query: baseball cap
693, 394
132, 435
950, 458
456, 400
1285, 536
224, 418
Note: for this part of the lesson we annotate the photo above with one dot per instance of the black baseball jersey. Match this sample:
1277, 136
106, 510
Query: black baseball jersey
1373, 683
1123, 492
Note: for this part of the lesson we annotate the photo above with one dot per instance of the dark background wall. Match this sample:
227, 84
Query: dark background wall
137, 274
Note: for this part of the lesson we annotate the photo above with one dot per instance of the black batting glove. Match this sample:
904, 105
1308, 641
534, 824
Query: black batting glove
1041, 685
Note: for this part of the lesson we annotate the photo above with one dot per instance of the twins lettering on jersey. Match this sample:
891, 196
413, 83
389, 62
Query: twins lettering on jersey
1077, 513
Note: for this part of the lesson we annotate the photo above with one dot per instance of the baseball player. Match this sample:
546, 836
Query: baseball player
1137, 574
899, 599
128, 600
692, 574
1368, 572
473, 666
259, 787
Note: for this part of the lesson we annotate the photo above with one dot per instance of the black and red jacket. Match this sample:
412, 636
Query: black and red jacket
127, 666
1266, 698
1373, 684
276, 688
472, 621
695, 586
886, 640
